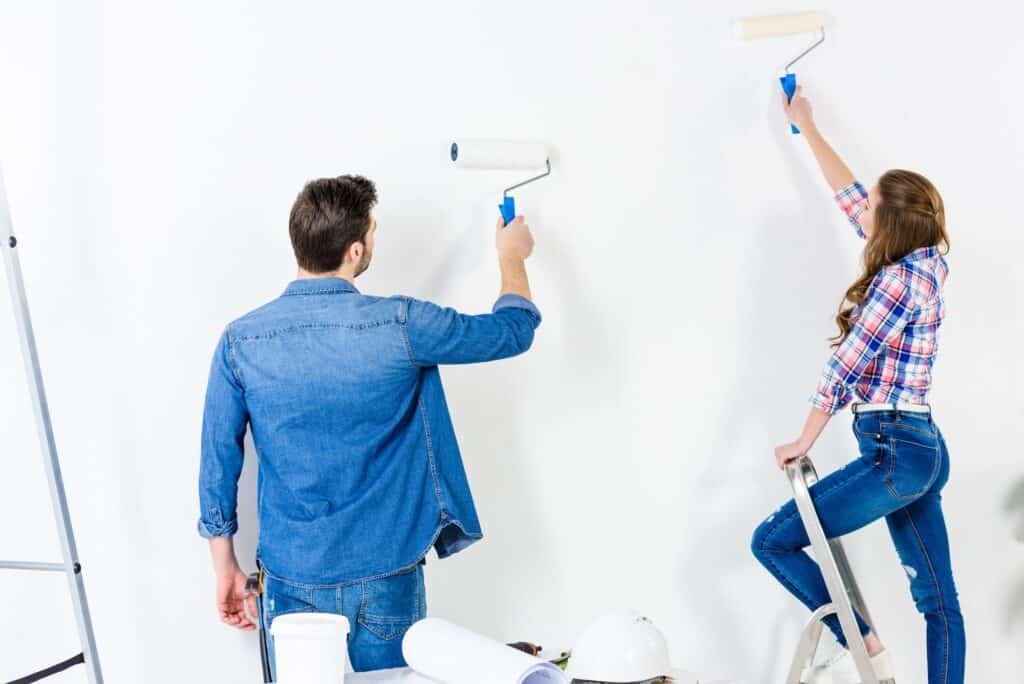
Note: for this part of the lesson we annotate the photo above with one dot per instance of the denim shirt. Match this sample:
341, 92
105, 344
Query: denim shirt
359, 469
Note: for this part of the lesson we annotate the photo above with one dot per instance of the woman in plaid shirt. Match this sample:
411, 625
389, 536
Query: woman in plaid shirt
881, 362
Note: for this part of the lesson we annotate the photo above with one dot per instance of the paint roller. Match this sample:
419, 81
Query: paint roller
752, 28
506, 155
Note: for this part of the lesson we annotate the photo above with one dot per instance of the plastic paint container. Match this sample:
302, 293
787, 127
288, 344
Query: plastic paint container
310, 648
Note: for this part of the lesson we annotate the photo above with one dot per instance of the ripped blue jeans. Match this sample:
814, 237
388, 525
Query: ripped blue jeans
379, 612
901, 471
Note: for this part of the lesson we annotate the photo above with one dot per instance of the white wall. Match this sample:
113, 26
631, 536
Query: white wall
688, 264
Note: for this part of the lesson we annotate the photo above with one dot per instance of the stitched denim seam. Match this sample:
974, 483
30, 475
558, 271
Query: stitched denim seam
787, 581
419, 590
938, 596
349, 583
278, 332
904, 426
403, 318
234, 362
430, 454
332, 291
362, 601
383, 618
381, 634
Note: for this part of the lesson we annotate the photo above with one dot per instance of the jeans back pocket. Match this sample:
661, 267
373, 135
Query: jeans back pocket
914, 459
392, 604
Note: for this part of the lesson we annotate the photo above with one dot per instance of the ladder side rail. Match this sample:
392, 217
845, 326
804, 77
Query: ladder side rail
799, 474
44, 427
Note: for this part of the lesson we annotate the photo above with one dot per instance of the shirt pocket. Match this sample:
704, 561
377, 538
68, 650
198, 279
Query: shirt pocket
391, 605
914, 459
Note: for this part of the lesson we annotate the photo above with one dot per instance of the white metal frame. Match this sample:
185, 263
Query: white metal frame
839, 579
70, 565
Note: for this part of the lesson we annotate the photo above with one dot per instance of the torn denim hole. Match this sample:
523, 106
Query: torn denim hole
911, 572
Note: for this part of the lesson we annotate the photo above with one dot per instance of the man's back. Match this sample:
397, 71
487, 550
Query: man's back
360, 472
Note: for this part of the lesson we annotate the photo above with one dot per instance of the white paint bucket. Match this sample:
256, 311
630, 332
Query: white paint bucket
310, 648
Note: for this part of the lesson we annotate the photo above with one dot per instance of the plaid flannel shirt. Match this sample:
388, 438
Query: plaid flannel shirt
888, 354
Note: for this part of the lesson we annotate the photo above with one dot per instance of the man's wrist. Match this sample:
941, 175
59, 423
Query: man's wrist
510, 261
224, 560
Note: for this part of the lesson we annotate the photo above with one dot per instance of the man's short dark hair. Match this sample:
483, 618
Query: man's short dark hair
329, 216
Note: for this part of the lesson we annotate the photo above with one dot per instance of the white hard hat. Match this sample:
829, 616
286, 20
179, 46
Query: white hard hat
620, 647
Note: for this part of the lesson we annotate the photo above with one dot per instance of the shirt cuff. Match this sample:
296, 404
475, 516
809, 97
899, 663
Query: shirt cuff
218, 527
852, 200
514, 301
831, 402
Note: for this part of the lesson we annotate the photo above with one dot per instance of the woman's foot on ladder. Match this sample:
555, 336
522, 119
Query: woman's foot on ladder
841, 669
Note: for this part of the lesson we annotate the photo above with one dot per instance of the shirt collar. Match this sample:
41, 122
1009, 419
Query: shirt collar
922, 253
319, 286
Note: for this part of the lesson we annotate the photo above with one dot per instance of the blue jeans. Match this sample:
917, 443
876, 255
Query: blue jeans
902, 468
379, 612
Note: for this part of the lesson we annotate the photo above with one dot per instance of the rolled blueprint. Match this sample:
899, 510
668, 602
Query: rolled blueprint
451, 654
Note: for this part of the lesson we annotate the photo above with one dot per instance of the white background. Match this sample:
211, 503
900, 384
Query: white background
688, 264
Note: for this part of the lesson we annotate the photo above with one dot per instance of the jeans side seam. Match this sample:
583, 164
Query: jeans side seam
787, 581
938, 595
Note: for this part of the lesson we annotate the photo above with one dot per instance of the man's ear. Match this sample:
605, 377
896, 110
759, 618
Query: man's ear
355, 252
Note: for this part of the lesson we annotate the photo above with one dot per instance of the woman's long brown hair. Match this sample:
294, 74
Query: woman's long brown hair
910, 216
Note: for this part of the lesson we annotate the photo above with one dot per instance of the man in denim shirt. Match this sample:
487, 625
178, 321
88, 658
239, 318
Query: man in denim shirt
360, 472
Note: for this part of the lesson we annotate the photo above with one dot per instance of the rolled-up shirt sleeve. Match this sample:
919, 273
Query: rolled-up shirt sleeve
853, 200
437, 335
881, 319
225, 420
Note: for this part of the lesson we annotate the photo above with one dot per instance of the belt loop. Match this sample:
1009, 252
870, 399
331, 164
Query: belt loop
896, 409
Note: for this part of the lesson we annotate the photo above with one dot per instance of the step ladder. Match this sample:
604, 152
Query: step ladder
842, 587
70, 566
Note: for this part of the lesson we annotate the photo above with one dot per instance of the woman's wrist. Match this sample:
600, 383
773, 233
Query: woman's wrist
810, 132
805, 442
813, 426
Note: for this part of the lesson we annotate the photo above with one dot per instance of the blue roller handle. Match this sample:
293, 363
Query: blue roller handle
508, 209
789, 86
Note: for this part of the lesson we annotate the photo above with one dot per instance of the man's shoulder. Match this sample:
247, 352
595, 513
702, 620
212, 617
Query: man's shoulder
255, 318
282, 313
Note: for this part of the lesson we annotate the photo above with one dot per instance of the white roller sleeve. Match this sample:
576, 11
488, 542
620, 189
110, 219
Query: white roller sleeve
750, 28
498, 154
454, 655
